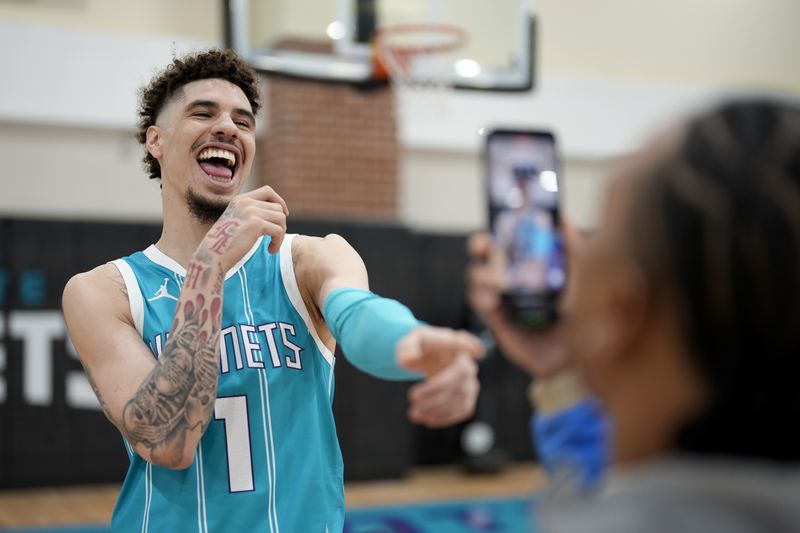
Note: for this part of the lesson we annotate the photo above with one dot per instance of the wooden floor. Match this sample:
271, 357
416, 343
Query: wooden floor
93, 505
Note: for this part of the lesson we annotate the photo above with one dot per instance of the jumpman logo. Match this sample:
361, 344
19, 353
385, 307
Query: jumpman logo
162, 292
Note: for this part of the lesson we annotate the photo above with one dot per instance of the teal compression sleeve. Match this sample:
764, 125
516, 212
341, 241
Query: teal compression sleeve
368, 327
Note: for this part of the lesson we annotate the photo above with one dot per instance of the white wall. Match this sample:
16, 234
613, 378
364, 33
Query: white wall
444, 191
610, 72
182, 19
712, 43
68, 102
70, 172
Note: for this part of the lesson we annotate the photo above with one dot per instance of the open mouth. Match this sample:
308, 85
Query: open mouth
218, 163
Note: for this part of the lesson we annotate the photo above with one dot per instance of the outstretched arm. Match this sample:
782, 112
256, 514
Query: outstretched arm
381, 336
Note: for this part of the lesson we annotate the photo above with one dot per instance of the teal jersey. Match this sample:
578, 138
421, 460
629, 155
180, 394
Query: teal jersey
269, 460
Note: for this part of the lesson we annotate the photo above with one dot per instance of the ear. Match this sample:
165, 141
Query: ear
153, 139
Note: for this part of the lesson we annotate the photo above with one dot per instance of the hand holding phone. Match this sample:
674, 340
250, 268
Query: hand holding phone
524, 194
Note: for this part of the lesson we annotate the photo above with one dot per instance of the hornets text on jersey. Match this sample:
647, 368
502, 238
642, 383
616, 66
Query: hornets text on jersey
270, 458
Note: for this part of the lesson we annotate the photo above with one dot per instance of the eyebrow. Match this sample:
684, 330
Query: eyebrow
213, 105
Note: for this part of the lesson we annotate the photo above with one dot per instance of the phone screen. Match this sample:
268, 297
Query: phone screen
523, 186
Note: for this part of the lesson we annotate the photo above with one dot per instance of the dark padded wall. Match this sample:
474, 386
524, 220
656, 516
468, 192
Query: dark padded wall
48, 439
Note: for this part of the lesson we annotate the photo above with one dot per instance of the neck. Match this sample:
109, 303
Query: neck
181, 233
639, 434
653, 399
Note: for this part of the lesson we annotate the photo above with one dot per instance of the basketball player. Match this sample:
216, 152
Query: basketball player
212, 350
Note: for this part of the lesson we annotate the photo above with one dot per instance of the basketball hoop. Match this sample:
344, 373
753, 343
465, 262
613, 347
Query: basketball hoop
417, 59
416, 54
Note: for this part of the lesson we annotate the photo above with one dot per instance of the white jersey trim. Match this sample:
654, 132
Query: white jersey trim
160, 258
134, 293
148, 496
202, 520
293, 291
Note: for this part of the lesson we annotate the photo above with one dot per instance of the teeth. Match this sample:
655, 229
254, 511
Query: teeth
227, 155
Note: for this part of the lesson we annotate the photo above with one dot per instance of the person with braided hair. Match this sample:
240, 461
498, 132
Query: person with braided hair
668, 391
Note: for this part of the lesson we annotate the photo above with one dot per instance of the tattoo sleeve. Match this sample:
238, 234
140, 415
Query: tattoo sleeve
172, 408
178, 396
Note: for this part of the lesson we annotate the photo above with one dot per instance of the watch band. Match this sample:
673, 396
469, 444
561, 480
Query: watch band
557, 392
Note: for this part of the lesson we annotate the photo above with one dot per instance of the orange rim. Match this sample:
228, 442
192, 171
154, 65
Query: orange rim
403, 53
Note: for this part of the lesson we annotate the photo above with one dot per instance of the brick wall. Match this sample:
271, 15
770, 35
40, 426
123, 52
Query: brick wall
330, 150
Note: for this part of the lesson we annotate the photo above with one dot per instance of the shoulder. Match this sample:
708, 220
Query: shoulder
99, 279
331, 243
101, 291
322, 264
322, 252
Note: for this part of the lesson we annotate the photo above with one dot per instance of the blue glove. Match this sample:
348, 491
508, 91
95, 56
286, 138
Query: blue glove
576, 438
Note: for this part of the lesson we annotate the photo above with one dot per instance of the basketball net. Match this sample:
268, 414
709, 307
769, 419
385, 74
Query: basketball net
418, 59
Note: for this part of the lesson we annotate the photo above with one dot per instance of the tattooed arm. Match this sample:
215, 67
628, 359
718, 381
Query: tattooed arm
170, 411
162, 407
115, 358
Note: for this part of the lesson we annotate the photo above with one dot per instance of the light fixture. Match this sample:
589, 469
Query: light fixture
468, 68
336, 30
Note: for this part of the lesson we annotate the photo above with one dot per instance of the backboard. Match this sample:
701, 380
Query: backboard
332, 40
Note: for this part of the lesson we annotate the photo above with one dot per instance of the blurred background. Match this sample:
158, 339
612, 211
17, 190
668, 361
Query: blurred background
394, 166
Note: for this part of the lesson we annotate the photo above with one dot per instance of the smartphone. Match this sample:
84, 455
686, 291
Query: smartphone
524, 190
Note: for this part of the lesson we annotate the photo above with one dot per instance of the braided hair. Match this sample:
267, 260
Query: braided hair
722, 232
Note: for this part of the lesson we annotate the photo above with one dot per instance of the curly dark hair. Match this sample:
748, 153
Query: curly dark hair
214, 63
720, 223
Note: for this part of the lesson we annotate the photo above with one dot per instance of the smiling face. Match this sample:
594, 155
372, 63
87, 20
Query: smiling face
204, 141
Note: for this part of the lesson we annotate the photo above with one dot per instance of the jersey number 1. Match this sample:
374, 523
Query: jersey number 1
232, 411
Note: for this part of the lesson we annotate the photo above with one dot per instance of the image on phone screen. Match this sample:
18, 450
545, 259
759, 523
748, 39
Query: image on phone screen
523, 192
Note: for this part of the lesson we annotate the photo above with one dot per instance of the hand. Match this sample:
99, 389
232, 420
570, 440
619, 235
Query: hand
248, 217
540, 353
447, 360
